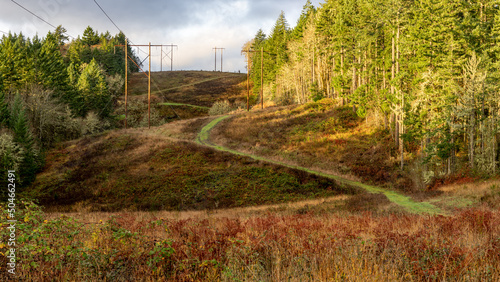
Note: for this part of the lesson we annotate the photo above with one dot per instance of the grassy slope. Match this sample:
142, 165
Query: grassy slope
181, 94
134, 171
189, 87
404, 201
335, 141
318, 135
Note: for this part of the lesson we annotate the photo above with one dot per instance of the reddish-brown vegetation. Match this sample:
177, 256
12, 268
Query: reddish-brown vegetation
300, 247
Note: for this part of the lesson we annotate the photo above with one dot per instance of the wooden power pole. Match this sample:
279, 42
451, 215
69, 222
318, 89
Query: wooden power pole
248, 75
221, 57
126, 80
149, 88
262, 78
148, 75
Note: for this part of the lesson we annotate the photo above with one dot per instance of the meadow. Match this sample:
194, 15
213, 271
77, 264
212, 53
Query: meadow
285, 244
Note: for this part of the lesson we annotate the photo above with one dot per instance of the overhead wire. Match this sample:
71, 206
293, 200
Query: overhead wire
140, 50
24, 8
111, 20
117, 27
108, 16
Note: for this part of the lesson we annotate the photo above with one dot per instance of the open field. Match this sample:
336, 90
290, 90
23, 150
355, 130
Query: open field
280, 245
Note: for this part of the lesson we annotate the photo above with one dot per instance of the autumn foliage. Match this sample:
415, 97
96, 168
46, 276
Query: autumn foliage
270, 247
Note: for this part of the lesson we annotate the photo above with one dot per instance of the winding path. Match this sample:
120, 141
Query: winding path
406, 202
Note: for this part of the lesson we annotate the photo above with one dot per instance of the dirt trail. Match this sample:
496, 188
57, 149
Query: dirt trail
406, 202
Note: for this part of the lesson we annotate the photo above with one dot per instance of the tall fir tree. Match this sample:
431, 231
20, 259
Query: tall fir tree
93, 91
4, 111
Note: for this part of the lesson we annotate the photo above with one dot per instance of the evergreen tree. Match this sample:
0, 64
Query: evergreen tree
93, 91
50, 64
31, 160
21, 129
90, 37
276, 46
307, 12
16, 108
60, 34
4, 111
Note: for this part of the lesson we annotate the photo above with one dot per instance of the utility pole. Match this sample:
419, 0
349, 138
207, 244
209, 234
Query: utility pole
148, 75
126, 79
261, 76
221, 57
215, 64
149, 88
171, 56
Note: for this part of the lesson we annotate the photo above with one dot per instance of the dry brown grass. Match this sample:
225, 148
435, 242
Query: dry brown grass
291, 208
274, 246
140, 169
477, 188
316, 135
476, 193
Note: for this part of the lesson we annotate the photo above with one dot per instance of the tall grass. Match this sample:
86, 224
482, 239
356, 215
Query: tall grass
305, 247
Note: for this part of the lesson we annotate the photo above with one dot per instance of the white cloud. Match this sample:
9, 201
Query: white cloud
195, 25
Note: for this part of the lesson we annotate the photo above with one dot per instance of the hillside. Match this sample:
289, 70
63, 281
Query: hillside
200, 88
181, 94
266, 195
319, 136
137, 170
376, 156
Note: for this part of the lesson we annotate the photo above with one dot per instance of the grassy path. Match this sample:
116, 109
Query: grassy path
406, 202
187, 105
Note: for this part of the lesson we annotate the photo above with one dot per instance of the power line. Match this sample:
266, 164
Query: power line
4, 32
38, 17
110, 18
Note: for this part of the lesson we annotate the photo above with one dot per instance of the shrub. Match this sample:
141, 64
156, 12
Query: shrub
11, 154
92, 124
11, 158
155, 119
220, 108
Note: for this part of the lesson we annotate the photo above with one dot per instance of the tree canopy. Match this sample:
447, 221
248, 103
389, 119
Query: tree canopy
428, 69
49, 86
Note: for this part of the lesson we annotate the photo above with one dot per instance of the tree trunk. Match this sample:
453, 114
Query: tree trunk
401, 143
472, 129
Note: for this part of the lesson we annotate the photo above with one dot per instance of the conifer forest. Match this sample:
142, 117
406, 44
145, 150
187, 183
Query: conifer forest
427, 71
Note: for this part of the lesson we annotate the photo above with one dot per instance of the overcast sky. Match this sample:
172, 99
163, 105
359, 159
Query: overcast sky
196, 26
